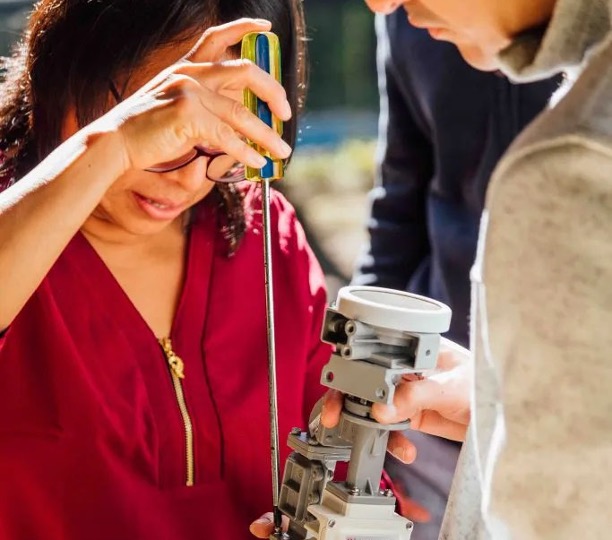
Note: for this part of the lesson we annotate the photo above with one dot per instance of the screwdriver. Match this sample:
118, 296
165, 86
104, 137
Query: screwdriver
263, 49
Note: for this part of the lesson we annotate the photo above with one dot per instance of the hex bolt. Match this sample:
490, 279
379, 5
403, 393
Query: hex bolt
318, 473
336, 326
355, 491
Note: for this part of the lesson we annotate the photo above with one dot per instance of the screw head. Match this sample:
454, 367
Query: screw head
388, 493
354, 491
331, 524
409, 525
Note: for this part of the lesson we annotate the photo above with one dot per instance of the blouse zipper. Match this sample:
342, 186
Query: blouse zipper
177, 370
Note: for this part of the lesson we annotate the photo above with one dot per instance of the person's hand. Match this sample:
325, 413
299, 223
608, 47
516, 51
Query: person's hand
438, 404
188, 105
264, 526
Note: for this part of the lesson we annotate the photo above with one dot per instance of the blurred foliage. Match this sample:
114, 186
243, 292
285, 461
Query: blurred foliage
328, 188
347, 168
342, 50
13, 17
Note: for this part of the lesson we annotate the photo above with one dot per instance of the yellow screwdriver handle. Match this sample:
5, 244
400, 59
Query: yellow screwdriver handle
263, 49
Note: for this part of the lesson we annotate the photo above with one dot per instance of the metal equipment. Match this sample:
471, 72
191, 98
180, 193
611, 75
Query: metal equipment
380, 336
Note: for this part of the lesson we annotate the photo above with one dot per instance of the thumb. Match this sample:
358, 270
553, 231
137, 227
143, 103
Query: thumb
263, 527
401, 447
411, 398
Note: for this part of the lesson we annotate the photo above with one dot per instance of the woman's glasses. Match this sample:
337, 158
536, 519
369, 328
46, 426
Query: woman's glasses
221, 167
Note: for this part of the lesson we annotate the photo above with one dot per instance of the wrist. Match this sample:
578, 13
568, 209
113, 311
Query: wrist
107, 149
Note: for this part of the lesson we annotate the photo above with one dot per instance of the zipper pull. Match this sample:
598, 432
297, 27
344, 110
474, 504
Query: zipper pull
174, 361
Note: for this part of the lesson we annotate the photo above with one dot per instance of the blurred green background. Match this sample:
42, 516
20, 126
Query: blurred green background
332, 168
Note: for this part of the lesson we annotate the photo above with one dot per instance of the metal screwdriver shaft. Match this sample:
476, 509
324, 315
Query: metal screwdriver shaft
263, 49
272, 390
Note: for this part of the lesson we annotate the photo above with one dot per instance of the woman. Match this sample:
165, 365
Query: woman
133, 379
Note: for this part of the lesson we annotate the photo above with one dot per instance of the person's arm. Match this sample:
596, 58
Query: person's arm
547, 284
40, 213
397, 226
179, 109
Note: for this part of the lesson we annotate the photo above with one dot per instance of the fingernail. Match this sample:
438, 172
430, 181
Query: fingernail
285, 149
257, 161
286, 110
399, 453
262, 21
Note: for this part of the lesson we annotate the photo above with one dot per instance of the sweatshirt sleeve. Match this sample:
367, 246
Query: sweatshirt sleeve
548, 304
397, 226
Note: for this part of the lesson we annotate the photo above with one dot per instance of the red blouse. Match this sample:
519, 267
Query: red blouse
93, 441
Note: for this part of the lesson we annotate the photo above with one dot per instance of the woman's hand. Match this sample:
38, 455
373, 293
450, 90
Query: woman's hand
438, 404
264, 526
188, 104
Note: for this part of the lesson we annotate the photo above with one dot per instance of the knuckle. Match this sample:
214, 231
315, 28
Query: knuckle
223, 132
246, 66
181, 66
239, 113
179, 85
183, 106
208, 39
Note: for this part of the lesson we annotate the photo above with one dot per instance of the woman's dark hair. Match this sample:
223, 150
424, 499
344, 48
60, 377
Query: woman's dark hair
73, 48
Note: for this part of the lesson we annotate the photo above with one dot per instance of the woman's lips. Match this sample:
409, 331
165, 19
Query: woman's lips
159, 209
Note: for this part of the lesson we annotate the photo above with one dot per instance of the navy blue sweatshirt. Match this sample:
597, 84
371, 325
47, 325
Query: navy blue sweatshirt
443, 127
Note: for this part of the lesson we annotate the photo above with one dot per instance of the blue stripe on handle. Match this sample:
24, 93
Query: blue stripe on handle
262, 59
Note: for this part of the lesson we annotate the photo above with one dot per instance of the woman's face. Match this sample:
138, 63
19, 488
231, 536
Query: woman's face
141, 202
476, 27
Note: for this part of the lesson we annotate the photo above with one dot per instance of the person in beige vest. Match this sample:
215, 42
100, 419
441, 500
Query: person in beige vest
533, 399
